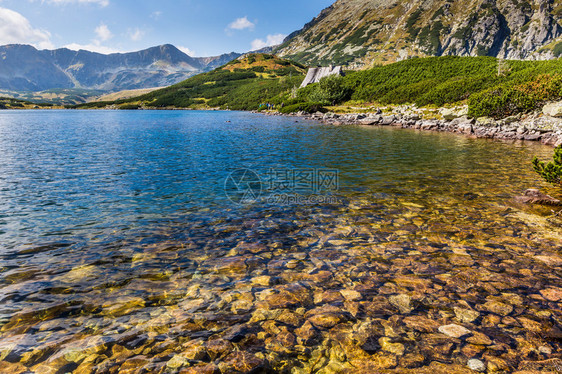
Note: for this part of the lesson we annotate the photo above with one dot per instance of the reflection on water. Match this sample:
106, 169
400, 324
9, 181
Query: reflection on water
121, 251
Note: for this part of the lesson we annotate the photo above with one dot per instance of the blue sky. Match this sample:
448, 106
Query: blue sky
199, 27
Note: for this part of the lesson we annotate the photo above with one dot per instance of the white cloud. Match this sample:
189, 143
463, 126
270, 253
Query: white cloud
103, 34
241, 24
187, 51
93, 47
136, 34
271, 40
102, 31
102, 3
15, 28
156, 15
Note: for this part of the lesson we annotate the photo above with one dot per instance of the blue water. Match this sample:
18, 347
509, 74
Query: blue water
71, 176
109, 218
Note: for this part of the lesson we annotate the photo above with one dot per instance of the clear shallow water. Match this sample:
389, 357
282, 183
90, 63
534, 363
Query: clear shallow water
119, 244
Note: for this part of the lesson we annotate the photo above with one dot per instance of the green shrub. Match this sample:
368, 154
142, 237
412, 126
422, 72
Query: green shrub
551, 171
303, 107
330, 90
500, 102
129, 107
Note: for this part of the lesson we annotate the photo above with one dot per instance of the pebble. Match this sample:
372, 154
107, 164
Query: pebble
351, 295
402, 302
454, 331
476, 365
466, 315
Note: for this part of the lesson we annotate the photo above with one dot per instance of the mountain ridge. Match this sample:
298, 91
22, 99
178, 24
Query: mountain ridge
25, 68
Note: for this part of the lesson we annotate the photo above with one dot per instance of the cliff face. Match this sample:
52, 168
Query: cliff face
360, 33
24, 68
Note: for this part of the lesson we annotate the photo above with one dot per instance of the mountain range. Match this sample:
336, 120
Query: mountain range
354, 33
24, 68
361, 33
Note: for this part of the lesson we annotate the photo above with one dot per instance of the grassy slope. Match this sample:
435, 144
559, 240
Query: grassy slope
239, 85
10, 103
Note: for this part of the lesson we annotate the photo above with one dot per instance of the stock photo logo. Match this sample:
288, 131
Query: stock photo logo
283, 186
243, 186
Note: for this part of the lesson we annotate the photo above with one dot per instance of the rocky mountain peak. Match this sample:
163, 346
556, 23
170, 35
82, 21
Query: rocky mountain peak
359, 33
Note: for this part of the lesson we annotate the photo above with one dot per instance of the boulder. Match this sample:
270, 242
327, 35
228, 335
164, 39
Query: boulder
534, 196
452, 113
486, 121
553, 110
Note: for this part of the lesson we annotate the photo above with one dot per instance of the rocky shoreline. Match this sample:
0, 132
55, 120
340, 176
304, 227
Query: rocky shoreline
532, 127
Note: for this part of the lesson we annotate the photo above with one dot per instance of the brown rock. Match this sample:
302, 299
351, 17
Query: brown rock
402, 302
498, 308
412, 360
534, 196
133, 364
466, 315
289, 296
420, 323
388, 346
329, 296
195, 350
351, 295
479, 339
496, 364
218, 348
241, 362
201, 369
471, 350
306, 333
552, 294
328, 320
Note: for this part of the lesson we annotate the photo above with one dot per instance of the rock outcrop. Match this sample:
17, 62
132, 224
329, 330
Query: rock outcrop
359, 33
553, 109
314, 75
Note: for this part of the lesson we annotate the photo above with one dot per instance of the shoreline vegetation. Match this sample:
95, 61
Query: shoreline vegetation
480, 96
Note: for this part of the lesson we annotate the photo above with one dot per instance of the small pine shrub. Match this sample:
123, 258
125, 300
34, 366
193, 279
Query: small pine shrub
303, 107
330, 90
500, 102
551, 171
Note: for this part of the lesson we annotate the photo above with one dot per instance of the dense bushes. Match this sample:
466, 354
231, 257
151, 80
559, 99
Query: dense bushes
511, 98
500, 102
524, 86
303, 107
329, 91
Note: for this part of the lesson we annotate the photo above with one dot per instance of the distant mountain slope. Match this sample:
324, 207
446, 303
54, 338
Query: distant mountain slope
24, 68
241, 84
360, 33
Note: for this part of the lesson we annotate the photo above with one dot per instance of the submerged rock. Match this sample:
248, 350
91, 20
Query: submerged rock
454, 331
476, 365
466, 315
402, 302
534, 196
